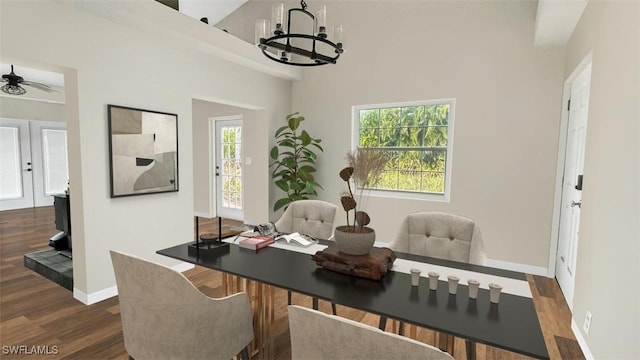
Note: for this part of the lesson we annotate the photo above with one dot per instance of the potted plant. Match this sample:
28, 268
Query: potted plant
294, 162
363, 172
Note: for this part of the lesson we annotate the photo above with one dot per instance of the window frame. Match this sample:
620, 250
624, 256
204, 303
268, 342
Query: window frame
355, 139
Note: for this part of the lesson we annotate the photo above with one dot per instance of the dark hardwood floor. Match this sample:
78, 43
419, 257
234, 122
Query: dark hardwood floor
35, 312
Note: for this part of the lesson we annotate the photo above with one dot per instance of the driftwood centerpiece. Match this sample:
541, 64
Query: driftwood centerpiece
372, 266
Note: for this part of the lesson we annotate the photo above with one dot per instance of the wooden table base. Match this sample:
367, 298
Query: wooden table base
262, 300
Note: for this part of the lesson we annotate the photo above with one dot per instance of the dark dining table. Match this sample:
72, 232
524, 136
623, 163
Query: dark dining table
512, 324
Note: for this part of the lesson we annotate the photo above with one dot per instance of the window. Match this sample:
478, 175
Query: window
417, 137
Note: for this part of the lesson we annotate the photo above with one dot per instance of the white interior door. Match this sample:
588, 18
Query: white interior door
571, 201
34, 162
228, 168
16, 180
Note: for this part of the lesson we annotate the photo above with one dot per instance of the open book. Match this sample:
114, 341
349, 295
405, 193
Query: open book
296, 239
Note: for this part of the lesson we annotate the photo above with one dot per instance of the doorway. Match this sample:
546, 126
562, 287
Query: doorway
33, 164
228, 167
572, 179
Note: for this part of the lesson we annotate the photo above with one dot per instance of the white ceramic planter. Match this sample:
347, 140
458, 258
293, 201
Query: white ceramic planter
354, 243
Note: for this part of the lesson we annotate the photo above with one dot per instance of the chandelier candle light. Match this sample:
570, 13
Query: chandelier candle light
282, 44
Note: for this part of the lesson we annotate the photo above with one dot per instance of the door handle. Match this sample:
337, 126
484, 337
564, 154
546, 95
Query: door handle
579, 182
576, 203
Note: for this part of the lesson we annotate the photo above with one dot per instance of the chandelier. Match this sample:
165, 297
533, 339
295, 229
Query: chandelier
285, 45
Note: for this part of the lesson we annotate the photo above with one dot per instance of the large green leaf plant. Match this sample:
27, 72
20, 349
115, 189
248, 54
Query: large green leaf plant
294, 162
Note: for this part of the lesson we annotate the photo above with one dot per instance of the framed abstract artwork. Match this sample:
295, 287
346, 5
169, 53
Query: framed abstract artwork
143, 151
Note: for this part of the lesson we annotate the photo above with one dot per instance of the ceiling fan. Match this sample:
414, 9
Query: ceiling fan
14, 83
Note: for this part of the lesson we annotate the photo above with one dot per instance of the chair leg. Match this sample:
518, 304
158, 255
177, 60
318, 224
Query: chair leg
383, 323
471, 349
288, 297
244, 354
314, 305
446, 342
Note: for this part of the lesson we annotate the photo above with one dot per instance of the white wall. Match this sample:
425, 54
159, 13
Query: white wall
507, 93
107, 63
608, 262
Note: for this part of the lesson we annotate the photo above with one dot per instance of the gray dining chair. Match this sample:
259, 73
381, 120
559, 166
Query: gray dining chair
316, 336
164, 316
440, 235
311, 217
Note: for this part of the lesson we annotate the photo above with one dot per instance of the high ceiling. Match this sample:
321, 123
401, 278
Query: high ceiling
554, 24
555, 21
214, 11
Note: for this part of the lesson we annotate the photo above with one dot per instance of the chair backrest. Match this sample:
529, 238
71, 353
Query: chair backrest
316, 335
441, 235
164, 316
311, 217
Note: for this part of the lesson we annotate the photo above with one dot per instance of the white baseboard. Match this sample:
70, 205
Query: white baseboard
528, 269
104, 294
583, 344
182, 267
89, 299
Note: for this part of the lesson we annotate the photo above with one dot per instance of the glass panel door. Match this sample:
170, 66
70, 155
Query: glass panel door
229, 195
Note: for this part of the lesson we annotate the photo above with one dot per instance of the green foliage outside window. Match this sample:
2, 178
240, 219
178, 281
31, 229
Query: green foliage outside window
232, 167
415, 139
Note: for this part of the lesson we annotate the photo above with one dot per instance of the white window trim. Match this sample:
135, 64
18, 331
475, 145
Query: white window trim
398, 194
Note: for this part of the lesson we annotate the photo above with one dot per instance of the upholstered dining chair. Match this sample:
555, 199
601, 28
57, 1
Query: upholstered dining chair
439, 235
311, 217
164, 316
316, 335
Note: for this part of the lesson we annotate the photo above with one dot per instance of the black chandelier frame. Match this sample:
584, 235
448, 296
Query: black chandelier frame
316, 57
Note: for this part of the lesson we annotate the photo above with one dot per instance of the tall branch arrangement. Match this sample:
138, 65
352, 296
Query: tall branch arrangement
364, 169
294, 162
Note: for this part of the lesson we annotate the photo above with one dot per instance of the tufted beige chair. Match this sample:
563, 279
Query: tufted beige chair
315, 335
311, 217
165, 317
441, 235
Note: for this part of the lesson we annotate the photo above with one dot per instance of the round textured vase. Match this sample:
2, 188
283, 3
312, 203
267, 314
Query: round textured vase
354, 243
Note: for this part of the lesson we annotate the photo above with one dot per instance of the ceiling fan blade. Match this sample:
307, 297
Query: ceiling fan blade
40, 86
